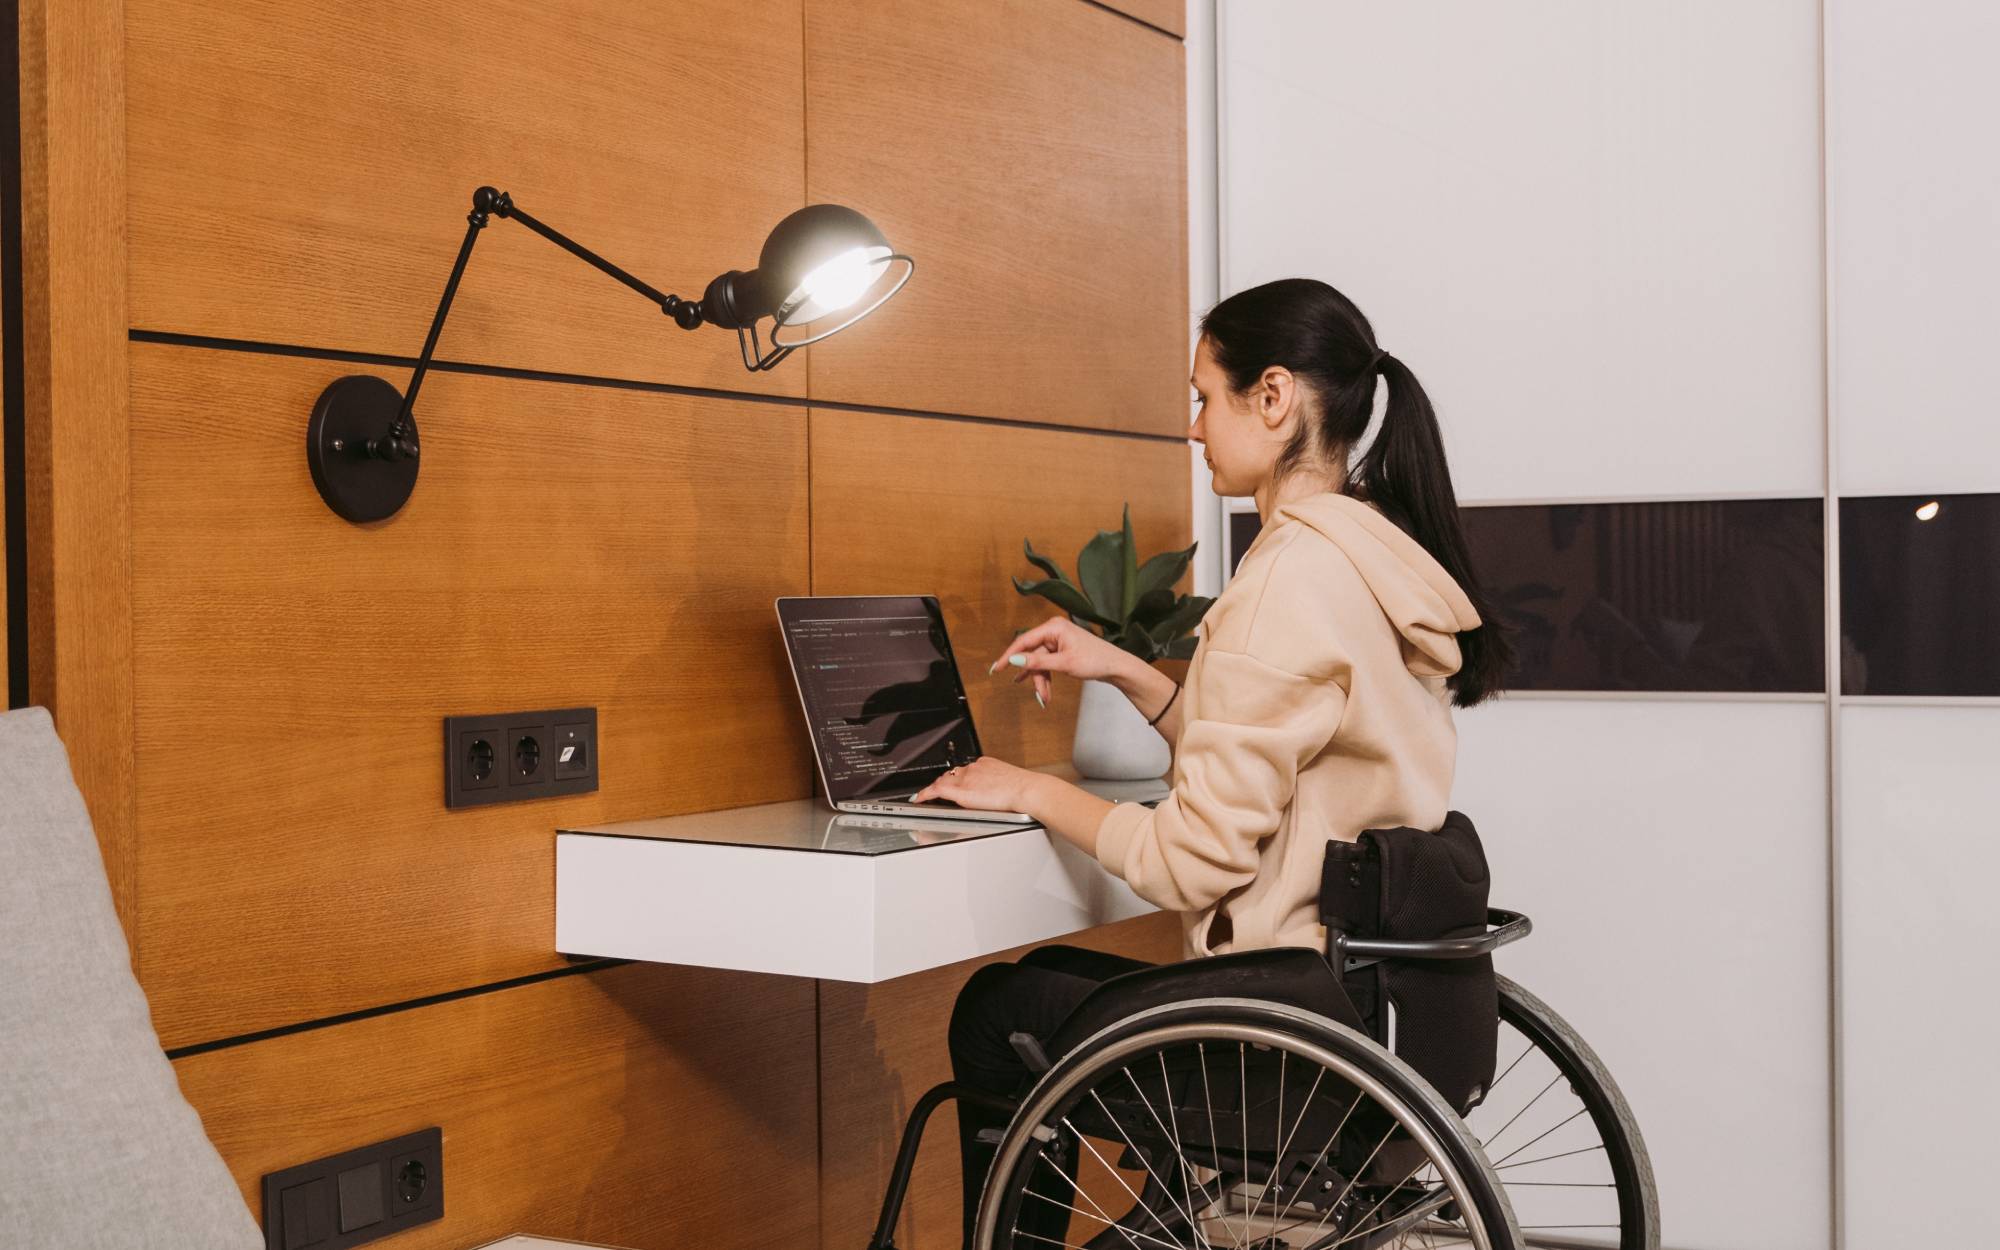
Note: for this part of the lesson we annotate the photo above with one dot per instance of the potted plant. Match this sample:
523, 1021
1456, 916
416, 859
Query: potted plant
1133, 606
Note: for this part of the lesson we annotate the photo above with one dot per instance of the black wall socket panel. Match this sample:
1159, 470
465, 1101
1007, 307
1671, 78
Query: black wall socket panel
519, 755
356, 1197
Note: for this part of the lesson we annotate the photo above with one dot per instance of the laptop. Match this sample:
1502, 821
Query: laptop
883, 701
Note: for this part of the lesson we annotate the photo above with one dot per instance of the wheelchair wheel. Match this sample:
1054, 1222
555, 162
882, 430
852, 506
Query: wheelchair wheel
1561, 1138
1238, 1124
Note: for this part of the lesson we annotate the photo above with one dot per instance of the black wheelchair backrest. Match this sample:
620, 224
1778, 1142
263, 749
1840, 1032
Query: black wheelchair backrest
1418, 885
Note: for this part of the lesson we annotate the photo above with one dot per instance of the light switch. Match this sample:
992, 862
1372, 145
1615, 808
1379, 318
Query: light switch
360, 1197
308, 1214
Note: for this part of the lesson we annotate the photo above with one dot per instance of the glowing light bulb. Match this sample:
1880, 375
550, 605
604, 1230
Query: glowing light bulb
1928, 511
839, 282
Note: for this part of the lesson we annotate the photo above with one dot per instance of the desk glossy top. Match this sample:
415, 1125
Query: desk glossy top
810, 825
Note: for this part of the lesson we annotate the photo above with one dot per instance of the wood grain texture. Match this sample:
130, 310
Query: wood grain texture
881, 1047
909, 505
566, 546
301, 172
1030, 155
636, 1106
1168, 15
75, 454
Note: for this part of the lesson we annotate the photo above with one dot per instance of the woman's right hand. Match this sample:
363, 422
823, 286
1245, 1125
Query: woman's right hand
1060, 645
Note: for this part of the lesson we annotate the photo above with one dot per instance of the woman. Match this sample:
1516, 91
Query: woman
1318, 703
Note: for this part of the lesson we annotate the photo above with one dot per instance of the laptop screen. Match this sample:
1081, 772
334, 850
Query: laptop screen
882, 697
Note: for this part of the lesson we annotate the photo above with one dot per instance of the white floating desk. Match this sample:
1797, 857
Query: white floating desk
800, 889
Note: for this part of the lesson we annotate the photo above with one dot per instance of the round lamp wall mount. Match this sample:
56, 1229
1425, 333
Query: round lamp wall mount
822, 269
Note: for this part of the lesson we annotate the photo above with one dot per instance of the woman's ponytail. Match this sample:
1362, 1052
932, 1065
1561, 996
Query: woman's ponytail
1317, 333
1404, 473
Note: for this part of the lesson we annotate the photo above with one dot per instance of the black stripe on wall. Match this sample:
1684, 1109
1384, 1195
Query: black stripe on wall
386, 1009
1920, 595
13, 418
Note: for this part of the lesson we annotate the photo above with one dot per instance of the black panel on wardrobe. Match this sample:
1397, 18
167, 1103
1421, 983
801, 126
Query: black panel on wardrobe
1243, 529
1714, 595
1920, 595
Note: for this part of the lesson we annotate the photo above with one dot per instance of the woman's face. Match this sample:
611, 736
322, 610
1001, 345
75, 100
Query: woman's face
1241, 435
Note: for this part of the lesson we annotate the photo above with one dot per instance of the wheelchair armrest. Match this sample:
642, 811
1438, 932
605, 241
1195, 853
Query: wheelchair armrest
1504, 927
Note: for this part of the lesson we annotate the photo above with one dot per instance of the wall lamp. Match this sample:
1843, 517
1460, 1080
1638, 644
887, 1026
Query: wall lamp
822, 269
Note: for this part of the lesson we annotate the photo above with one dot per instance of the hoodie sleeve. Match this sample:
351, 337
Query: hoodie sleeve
1239, 762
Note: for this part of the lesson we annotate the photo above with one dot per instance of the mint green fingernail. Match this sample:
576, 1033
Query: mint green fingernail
1019, 659
1039, 699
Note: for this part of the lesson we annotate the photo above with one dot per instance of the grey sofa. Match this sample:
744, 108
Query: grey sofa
98, 1150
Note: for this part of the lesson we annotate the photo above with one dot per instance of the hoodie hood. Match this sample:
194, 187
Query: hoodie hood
1421, 600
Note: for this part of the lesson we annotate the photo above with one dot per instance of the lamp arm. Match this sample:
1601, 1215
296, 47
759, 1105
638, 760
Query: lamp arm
400, 442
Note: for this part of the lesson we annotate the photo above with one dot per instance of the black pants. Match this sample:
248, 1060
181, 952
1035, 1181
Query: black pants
1032, 996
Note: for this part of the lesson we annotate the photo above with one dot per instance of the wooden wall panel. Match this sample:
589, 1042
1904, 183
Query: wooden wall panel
881, 1047
1168, 15
910, 505
74, 399
1030, 155
566, 546
301, 172
641, 1106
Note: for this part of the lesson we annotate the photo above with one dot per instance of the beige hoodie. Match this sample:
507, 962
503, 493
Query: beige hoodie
1315, 707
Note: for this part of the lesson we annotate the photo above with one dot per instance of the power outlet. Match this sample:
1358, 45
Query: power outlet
519, 755
355, 1197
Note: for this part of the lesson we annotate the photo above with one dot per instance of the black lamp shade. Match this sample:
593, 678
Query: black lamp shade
822, 269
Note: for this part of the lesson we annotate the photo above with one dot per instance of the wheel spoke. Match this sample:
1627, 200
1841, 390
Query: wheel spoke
1523, 1111
1510, 1068
1243, 1119
1215, 1138
1174, 1135
1115, 1173
1546, 1159
1127, 1233
1147, 1164
1333, 1206
1286, 1143
1561, 1184
1517, 1150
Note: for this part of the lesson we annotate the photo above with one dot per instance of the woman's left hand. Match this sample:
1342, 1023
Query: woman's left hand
985, 785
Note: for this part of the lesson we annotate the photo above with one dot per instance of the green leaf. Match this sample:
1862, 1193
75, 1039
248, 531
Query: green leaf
1163, 570
1183, 649
1043, 563
1140, 643
1100, 570
1153, 608
1064, 596
1181, 621
1128, 575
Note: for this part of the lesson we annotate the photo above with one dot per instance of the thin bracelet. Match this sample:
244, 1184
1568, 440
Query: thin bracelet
1170, 702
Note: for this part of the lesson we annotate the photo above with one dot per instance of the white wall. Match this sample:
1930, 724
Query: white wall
1673, 858
1918, 1006
1913, 182
1594, 231
1913, 206
1591, 228
1204, 273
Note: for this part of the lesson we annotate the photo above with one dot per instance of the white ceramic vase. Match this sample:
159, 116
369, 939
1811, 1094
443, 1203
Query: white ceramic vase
1113, 741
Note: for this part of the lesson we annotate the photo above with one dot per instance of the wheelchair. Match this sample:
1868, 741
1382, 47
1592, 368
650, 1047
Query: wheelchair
1257, 1101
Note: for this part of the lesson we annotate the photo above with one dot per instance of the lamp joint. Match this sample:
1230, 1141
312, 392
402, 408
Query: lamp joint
686, 313
488, 200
